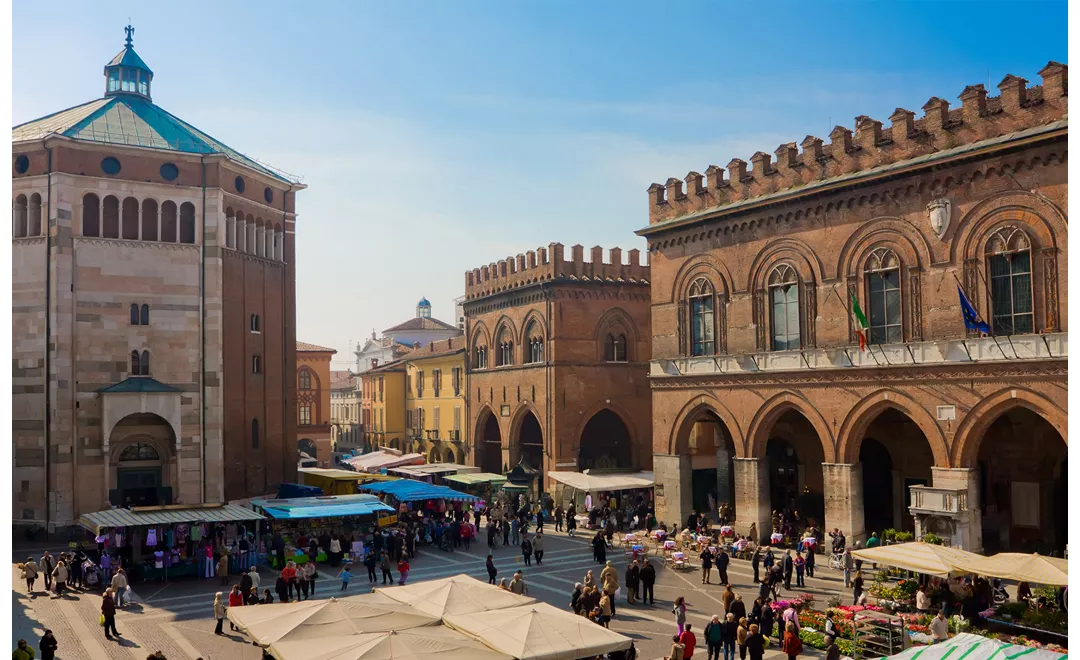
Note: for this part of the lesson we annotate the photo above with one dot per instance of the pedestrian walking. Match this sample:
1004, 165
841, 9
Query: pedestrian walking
766, 618
291, 581
48, 645
223, 567
370, 562
755, 561
108, 612
857, 587
571, 522
721, 560
384, 566
792, 645
246, 585
403, 570
527, 549
679, 610
648, 579
607, 609
491, 570
256, 581
345, 576
633, 577
219, 613
559, 517
575, 598
714, 638
609, 581
849, 564
30, 574
706, 557
301, 582
728, 599
60, 577
688, 641
518, 586
741, 634
47, 564
538, 547
23, 651
236, 599
810, 561
755, 643
789, 568
738, 608
730, 633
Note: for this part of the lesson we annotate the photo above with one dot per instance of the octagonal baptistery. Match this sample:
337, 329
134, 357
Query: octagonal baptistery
153, 310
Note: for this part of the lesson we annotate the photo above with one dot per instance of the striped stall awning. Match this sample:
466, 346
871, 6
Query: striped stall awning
166, 515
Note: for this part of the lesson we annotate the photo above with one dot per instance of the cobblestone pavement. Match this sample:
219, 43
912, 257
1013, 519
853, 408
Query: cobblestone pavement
177, 618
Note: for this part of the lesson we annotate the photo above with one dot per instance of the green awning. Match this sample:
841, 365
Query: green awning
474, 478
165, 515
138, 384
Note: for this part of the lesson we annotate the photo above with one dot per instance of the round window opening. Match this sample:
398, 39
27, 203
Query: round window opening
268, 195
169, 171
110, 165
240, 185
22, 163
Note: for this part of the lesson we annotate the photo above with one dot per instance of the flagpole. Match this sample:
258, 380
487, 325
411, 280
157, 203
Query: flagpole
850, 314
978, 316
990, 295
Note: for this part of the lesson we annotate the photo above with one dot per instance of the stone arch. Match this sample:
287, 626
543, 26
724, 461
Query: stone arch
168, 221
678, 441
797, 252
129, 426
260, 238
480, 337
970, 431
616, 320
520, 425
864, 412
533, 317
129, 220
149, 220
771, 411
19, 217
91, 215
624, 417
1048, 222
504, 332
433, 455
887, 231
448, 455
110, 221
705, 265
488, 441
187, 223
279, 243
34, 216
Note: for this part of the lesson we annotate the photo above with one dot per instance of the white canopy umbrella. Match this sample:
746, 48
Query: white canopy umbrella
975, 647
613, 481
459, 594
922, 558
539, 632
427, 643
1037, 569
313, 620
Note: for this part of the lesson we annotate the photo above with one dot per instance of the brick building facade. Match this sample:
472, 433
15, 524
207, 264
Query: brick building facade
558, 354
758, 382
313, 402
152, 346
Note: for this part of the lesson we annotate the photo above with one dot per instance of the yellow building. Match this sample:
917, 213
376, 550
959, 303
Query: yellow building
383, 406
435, 400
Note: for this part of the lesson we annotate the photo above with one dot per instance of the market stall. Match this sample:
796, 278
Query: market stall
919, 557
975, 647
292, 520
1035, 569
422, 498
484, 485
337, 482
588, 489
432, 473
384, 459
162, 542
458, 594
430, 642
539, 631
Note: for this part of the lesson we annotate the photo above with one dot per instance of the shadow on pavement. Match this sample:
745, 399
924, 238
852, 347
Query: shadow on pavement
24, 626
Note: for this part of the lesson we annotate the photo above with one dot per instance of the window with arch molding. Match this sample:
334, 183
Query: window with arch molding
480, 357
784, 296
702, 300
134, 314
536, 344
140, 363
615, 347
144, 315
506, 348
305, 380
1008, 260
140, 451
882, 274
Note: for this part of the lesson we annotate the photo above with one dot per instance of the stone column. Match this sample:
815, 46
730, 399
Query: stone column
844, 500
241, 235
752, 497
674, 487
724, 477
968, 535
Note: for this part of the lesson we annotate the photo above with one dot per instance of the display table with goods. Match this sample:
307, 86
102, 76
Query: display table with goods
303, 518
164, 542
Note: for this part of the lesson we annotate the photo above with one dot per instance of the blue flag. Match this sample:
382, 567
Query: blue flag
971, 317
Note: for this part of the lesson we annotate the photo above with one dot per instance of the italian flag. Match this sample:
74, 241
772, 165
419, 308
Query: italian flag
860, 321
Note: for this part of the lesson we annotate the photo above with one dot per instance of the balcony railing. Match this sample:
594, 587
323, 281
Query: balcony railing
927, 499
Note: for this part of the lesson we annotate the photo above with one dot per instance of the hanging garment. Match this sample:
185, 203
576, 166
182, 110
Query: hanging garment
196, 533
181, 533
151, 537
159, 561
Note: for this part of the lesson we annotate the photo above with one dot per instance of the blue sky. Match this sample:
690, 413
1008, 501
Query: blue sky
439, 136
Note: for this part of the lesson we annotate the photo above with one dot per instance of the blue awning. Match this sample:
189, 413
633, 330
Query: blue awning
407, 490
333, 506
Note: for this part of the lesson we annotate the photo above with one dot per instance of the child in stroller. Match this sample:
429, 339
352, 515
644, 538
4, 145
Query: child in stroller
92, 575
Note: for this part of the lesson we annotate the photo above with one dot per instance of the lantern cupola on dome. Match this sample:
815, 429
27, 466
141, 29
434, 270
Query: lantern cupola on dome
126, 73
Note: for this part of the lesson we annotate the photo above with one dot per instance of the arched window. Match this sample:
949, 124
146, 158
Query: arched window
254, 434
702, 318
111, 220
35, 215
480, 359
615, 348
91, 215
134, 314
305, 380
784, 294
249, 235
144, 315
535, 335
18, 217
149, 220
144, 364
1008, 259
241, 233
140, 451
168, 221
255, 323
130, 220
883, 293
187, 223
134, 362
230, 230
506, 348
260, 238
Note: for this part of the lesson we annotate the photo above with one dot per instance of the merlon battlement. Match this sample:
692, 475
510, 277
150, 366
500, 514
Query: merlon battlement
980, 117
550, 264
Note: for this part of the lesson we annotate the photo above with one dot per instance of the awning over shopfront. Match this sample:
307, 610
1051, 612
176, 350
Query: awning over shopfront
539, 632
476, 478
1036, 569
378, 460
594, 482
331, 506
146, 516
969, 646
407, 490
436, 469
337, 482
924, 558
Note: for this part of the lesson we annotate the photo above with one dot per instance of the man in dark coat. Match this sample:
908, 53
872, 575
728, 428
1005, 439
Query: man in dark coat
633, 576
789, 567
755, 561
722, 560
648, 579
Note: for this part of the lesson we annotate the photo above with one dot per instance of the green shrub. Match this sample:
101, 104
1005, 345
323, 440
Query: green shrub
933, 538
888, 534
905, 537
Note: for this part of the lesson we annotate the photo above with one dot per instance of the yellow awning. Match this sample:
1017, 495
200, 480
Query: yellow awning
921, 557
1037, 569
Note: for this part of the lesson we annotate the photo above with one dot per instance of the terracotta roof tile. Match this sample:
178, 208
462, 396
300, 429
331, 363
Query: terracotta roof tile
421, 323
312, 348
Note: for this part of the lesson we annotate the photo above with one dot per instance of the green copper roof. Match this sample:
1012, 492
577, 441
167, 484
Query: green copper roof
128, 57
136, 385
129, 119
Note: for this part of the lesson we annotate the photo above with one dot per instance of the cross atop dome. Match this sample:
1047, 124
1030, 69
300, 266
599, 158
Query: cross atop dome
126, 73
